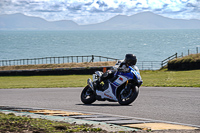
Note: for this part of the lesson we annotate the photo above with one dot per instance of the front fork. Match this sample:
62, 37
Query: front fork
127, 86
90, 84
126, 92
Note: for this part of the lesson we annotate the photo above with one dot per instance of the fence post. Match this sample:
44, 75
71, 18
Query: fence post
188, 51
176, 55
197, 50
92, 58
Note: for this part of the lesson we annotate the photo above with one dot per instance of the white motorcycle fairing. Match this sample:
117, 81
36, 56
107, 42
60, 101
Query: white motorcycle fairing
110, 92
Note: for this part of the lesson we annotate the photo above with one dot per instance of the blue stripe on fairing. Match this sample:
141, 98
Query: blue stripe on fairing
113, 88
116, 84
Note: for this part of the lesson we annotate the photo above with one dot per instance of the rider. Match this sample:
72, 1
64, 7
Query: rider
130, 60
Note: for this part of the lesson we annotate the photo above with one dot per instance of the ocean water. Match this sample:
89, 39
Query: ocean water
147, 45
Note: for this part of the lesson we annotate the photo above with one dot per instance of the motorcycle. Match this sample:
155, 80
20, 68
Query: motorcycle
122, 88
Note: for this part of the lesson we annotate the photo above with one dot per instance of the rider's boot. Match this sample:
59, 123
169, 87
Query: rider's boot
106, 84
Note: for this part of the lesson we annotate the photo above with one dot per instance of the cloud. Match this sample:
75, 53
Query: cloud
94, 11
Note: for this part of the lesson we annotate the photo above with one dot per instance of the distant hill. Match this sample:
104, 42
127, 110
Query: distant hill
21, 22
144, 20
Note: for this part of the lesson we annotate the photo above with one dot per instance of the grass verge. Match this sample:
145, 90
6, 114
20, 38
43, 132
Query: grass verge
187, 59
12, 123
53, 66
166, 78
43, 81
150, 78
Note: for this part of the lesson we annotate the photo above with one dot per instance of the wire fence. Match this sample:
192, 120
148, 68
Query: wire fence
190, 51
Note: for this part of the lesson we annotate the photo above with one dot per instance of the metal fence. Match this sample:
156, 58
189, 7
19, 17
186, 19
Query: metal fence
149, 65
189, 51
56, 60
143, 65
165, 61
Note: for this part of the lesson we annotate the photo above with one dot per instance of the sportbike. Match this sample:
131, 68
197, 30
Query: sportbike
122, 88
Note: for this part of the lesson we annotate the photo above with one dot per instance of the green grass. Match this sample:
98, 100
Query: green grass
43, 81
150, 78
13, 123
171, 78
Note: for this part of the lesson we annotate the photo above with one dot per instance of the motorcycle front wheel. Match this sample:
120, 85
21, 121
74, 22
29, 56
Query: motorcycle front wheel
87, 95
125, 97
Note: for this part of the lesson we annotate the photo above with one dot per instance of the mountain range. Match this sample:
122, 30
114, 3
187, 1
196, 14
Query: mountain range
144, 20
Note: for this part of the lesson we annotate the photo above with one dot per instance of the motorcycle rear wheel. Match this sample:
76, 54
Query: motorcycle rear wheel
87, 95
126, 98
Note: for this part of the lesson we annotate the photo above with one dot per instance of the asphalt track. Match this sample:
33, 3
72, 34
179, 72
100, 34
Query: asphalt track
173, 104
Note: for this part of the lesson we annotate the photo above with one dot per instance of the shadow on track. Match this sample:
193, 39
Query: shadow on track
103, 105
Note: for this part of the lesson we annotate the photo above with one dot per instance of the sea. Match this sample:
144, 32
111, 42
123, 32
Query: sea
147, 45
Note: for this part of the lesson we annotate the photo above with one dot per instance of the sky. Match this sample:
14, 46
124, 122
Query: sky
86, 12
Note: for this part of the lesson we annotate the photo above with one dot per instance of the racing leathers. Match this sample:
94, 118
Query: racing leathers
109, 74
